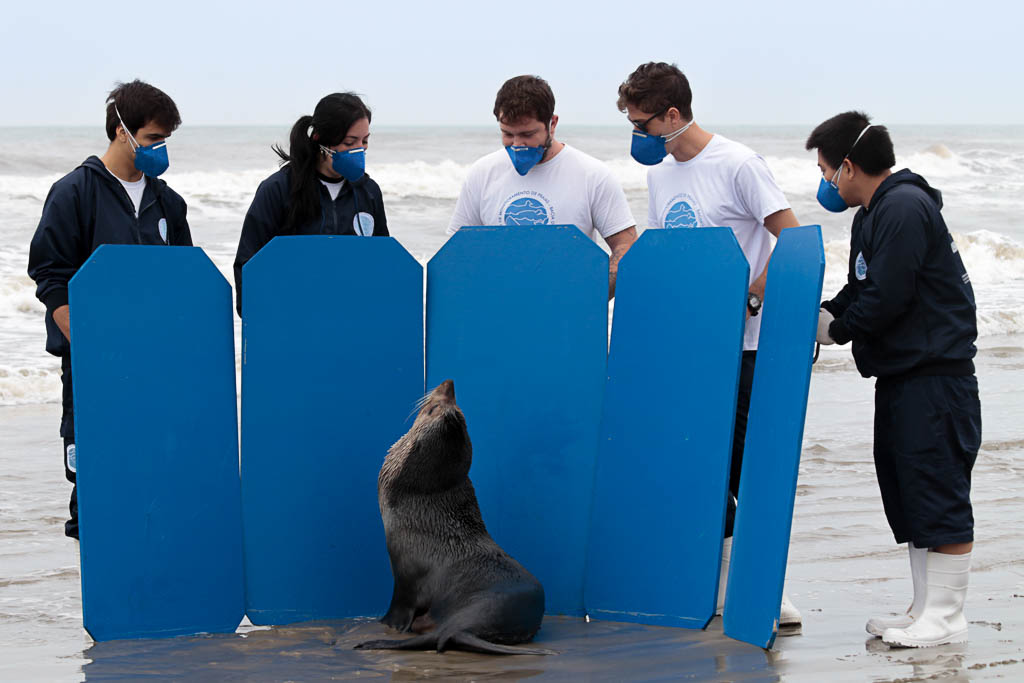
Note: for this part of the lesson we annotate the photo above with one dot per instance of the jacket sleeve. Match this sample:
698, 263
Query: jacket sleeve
54, 254
183, 235
380, 219
898, 247
262, 222
838, 304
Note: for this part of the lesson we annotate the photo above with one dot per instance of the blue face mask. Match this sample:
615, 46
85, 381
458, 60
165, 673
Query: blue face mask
650, 149
828, 190
828, 194
152, 159
524, 158
350, 164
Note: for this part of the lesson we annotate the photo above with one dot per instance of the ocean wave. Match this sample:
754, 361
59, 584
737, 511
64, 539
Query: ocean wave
994, 262
19, 386
221, 192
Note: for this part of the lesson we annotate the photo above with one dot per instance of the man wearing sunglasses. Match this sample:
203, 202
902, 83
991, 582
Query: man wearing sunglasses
700, 179
537, 180
113, 199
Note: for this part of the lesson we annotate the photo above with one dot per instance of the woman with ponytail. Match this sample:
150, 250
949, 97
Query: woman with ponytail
321, 188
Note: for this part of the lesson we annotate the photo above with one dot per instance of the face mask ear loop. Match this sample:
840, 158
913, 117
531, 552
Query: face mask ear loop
135, 142
836, 176
673, 135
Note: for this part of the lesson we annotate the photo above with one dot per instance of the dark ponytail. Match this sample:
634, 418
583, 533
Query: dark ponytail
330, 122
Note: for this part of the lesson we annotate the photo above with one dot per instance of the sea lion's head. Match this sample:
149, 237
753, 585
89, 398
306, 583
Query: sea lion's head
436, 453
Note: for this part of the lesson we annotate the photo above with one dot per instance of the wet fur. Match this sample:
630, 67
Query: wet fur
453, 584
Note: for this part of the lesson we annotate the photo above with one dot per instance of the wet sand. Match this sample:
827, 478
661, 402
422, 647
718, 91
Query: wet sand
844, 567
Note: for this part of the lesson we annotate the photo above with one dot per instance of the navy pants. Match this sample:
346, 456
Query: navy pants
739, 437
927, 435
67, 432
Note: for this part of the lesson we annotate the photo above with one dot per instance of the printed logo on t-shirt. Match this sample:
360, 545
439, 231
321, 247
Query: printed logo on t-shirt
683, 212
860, 268
527, 208
362, 223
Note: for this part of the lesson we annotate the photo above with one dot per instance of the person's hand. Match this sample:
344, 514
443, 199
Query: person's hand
824, 320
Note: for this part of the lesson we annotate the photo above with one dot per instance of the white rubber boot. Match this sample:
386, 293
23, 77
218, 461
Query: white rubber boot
918, 569
723, 575
942, 621
789, 615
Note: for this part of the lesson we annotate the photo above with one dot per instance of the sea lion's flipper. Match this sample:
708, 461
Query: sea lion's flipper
464, 640
427, 641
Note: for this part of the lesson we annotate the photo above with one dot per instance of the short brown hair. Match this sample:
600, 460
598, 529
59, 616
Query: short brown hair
525, 97
655, 87
139, 103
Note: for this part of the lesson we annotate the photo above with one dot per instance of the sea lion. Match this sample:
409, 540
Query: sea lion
453, 584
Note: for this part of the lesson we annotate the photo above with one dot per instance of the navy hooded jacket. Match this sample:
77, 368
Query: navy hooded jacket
908, 305
85, 209
268, 213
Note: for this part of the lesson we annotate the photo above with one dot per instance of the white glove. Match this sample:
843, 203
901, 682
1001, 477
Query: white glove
824, 320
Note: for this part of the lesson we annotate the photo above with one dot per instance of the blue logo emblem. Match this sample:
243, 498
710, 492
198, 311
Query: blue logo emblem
681, 215
526, 211
362, 223
860, 268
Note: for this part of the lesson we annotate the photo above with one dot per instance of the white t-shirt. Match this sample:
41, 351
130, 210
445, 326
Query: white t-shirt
134, 190
572, 188
333, 189
726, 184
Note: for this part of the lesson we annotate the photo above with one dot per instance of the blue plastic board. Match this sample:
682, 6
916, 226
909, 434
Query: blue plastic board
332, 367
156, 432
666, 437
775, 429
518, 318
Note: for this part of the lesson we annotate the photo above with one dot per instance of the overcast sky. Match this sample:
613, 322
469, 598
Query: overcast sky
441, 62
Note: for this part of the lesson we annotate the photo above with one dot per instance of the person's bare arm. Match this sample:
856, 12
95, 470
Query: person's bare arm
62, 316
619, 243
775, 223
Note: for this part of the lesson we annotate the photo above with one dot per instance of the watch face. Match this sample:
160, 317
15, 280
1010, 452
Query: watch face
753, 301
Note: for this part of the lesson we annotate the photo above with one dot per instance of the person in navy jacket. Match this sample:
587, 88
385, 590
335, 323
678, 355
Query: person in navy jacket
113, 199
322, 187
909, 309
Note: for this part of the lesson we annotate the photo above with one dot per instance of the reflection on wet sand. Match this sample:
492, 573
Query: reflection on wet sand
323, 651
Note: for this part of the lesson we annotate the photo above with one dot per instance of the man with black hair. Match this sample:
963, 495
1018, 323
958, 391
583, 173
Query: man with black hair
113, 199
537, 180
700, 179
908, 307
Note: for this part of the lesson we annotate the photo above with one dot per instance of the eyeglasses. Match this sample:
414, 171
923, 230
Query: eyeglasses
642, 125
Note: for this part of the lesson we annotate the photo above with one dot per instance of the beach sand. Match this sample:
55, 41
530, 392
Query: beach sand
844, 567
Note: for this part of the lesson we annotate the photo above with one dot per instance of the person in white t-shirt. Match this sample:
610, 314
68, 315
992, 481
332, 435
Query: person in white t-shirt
700, 179
537, 180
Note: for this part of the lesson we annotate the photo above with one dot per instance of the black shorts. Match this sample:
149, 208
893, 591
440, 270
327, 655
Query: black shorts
927, 435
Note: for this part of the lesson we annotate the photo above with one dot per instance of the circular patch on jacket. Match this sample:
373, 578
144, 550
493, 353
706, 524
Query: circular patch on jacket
860, 268
362, 223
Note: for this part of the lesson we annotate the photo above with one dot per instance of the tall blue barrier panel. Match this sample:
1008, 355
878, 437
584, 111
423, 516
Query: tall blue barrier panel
666, 437
332, 367
518, 318
157, 440
775, 428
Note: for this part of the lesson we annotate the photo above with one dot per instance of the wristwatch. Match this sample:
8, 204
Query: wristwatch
753, 303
